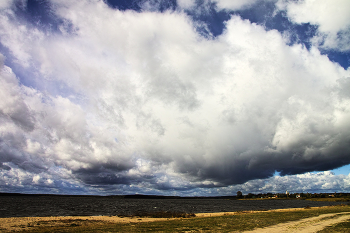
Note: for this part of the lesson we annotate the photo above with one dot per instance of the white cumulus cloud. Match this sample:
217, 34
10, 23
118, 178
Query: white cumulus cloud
331, 17
141, 99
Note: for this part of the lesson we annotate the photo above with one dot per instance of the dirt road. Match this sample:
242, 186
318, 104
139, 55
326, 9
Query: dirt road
29, 223
307, 225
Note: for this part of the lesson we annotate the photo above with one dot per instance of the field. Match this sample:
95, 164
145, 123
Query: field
274, 220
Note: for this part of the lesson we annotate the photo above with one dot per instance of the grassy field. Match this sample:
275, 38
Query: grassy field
343, 227
327, 199
330, 199
241, 221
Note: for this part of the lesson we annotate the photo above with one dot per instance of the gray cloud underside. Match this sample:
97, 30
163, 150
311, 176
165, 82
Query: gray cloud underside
142, 99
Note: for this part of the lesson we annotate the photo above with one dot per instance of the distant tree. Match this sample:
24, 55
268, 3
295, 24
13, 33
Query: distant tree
239, 194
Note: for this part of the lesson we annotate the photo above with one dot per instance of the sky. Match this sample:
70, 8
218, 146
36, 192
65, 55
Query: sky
174, 97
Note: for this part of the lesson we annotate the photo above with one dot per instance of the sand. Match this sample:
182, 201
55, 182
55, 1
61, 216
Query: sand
24, 223
306, 225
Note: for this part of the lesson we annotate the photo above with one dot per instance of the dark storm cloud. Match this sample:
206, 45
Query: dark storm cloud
4, 167
103, 174
100, 177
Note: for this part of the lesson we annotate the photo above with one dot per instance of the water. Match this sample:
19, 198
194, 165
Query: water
41, 206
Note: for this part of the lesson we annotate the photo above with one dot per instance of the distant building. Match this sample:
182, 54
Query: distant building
287, 193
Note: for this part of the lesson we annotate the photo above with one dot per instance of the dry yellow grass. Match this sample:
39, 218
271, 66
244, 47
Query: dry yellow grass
205, 222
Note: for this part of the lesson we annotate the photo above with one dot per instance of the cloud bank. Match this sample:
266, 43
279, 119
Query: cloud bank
123, 101
331, 17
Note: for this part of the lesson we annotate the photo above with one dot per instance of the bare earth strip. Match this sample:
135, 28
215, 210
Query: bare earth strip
24, 223
307, 225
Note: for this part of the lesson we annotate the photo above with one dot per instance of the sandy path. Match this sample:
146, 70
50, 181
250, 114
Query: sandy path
24, 223
307, 225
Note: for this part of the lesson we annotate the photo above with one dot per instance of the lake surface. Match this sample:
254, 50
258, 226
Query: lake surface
41, 206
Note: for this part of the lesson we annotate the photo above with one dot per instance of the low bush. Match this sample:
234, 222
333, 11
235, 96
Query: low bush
161, 214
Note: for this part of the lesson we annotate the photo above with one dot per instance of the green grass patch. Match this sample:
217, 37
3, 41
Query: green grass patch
161, 214
329, 199
337, 228
228, 223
